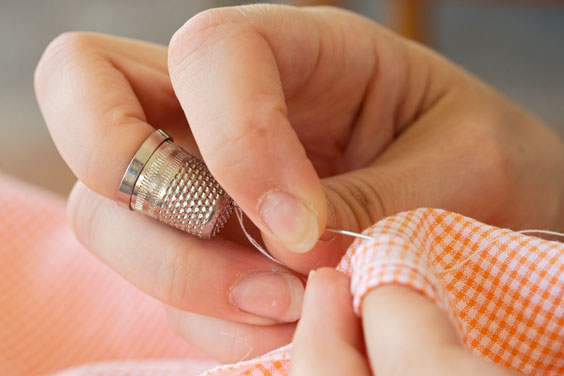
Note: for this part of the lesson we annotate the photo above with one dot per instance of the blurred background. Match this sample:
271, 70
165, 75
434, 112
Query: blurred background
516, 46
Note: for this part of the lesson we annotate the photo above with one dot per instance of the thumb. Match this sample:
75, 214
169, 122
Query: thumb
354, 201
237, 113
328, 339
400, 323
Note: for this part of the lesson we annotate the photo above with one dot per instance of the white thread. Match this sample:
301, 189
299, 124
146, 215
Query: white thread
461, 263
239, 213
547, 232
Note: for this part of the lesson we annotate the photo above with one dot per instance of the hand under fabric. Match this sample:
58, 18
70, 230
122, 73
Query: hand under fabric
307, 117
390, 339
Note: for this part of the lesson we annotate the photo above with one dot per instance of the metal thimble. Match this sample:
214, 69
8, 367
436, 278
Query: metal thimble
165, 182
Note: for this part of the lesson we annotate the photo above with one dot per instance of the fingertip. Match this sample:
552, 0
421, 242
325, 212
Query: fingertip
310, 276
290, 220
327, 297
328, 277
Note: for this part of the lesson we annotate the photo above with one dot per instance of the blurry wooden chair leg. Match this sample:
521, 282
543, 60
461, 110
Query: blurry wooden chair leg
411, 18
317, 2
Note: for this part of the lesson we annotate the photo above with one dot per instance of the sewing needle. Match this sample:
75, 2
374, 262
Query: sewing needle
349, 233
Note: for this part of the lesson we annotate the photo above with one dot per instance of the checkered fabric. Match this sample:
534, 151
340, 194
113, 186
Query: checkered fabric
504, 290
59, 307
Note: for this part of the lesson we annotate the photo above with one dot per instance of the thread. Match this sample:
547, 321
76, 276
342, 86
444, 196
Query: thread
239, 214
461, 263
546, 232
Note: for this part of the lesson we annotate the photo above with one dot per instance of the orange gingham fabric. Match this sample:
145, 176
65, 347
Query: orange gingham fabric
504, 291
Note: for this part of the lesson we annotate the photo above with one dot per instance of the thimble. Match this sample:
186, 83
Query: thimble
166, 182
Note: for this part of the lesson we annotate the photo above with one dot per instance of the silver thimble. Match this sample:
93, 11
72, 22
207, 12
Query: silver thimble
167, 183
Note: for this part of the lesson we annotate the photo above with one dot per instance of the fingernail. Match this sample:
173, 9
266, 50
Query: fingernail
310, 275
290, 221
272, 295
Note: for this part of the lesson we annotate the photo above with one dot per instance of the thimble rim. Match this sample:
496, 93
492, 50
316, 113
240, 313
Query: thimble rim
136, 165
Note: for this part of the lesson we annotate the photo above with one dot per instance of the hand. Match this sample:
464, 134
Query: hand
329, 338
306, 117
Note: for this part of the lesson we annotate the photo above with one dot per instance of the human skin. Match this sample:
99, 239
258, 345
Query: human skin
307, 117
388, 340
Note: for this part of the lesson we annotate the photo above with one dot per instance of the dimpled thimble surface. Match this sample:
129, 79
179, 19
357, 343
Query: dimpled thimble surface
165, 182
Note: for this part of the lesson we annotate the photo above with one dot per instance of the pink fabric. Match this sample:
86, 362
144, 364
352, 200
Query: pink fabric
61, 307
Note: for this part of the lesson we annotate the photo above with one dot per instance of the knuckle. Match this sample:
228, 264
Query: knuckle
196, 33
209, 28
492, 162
175, 276
235, 146
361, 199
82, 213
58, 53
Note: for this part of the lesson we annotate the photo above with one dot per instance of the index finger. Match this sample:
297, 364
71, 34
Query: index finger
100, 97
